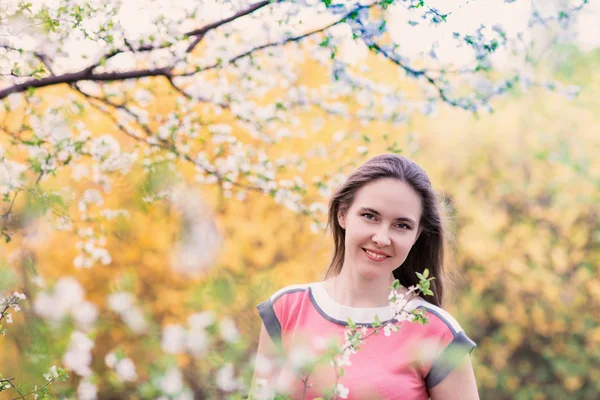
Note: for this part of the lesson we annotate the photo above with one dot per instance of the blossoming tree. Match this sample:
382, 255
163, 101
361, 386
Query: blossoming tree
206, 92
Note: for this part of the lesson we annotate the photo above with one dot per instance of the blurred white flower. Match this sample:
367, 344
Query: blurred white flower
172, 382
120, 302
104, 146
14, 99
197, 341
86, 390
202, 320
301, 356
225, 378
362, 149
263, 365
78, 356
123, 304
200, 238
124, 367
110, 359
342, 391
134, 318
228, 330
173, 339
85, 315
263, 391
66, 298
11, 176
125, 370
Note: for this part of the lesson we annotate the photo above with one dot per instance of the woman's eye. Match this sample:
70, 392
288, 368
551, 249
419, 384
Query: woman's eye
369, 216
403, 226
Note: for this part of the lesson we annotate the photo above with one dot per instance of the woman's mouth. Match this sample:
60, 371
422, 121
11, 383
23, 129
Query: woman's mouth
375, 256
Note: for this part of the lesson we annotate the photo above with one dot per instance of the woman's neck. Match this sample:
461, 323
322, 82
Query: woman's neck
354, 291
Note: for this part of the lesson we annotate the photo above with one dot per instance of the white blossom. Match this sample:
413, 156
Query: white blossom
87, 390
11, 175
389, 328
123, 304
85, 315
173, 339
228, 330
202, 320
111, 360
301, 356
57, 303
104, 146
78, 356
225, 378
52, 374
172, 382
125, 370
201, 240
342, 391
197, 342
263, 391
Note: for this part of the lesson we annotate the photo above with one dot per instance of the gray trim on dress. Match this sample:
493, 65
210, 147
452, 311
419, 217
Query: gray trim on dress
269, 318
452, 355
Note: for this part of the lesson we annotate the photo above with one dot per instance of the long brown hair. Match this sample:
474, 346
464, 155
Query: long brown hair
428, 250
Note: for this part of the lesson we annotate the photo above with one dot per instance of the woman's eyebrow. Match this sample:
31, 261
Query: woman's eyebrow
375, 212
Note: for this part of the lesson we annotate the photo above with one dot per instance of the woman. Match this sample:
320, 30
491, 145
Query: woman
386, 225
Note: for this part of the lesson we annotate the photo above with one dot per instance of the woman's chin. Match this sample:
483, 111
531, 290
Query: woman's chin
370, 272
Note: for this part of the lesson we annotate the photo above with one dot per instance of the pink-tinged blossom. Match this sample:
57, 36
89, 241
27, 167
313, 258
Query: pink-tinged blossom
78, 356
173, 339
172, 382
125, 370
228, 330
201, 240
87, 390
225, 378
123, 304
66, 299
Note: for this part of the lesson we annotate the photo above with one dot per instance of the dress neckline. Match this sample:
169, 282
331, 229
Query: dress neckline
339, 313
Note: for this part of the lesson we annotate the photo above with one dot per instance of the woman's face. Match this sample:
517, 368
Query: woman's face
382, 224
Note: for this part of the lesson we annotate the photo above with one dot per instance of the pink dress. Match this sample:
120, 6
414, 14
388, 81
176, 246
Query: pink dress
404, 365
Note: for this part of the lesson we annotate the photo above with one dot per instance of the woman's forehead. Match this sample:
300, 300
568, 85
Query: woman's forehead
389, 196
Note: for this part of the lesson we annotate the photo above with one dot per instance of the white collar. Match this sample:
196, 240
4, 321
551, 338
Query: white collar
339, 313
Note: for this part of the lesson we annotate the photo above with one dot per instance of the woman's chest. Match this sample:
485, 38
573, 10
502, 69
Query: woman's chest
384, 367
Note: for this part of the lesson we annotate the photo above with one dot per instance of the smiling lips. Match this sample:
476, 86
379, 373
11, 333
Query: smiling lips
375, 255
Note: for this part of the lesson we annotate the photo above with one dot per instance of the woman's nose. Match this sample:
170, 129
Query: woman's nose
381, 239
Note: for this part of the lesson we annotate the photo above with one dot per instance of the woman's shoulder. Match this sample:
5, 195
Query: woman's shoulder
438, 317
290, 290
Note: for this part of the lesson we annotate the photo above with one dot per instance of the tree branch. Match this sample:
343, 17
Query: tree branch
267, 45
84, 75
417, 73
256, 6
